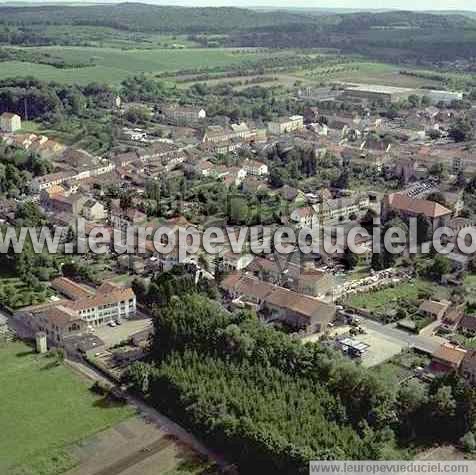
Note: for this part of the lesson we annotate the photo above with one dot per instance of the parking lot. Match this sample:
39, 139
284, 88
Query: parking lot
116, 335
381, 348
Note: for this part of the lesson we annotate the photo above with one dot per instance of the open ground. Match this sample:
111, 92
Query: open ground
112, 65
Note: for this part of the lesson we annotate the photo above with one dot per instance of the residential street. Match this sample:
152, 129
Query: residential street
423, 343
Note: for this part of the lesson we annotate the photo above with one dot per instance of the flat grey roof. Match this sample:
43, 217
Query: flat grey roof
379, 89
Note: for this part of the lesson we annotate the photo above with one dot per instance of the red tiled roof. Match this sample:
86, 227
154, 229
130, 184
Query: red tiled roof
450, 354
70, 288
428, 208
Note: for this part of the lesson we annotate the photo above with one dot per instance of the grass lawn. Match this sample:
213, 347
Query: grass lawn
470, 284
44, 411
391, 298
112, 65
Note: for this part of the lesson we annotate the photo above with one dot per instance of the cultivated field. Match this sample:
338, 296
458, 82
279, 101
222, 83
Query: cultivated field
112, 65
45, 409
391, 298
368, 73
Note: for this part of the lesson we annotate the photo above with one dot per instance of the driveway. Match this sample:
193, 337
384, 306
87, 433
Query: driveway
116, 335
428, 344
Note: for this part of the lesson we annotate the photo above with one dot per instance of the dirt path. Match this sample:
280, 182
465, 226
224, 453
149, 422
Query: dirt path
133, 459
152, 416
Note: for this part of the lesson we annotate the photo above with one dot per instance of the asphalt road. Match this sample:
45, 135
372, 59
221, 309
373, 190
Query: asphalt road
423, 343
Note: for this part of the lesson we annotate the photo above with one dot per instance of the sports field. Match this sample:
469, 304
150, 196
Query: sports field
112, 65
45, 408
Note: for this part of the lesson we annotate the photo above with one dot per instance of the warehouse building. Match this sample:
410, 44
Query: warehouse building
373, 93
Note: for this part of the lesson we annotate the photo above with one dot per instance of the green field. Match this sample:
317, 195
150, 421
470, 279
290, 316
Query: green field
112, 65
100, 36
44, 410
391, 298
368, 73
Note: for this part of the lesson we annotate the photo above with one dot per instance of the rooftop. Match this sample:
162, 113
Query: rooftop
428, 208
379, 89
450, 354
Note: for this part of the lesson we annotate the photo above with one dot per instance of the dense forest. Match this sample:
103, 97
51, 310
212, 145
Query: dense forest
152, 18
427, 37
271, 404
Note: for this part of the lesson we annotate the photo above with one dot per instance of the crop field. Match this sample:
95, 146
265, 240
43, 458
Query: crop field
112, 65
390, 298
37, 432
368, 73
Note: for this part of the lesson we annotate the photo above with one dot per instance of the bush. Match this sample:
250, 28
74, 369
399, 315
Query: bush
468, 441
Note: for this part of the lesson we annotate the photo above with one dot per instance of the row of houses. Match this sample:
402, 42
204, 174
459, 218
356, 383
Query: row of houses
44, 182
230, 175
278, 304
39, 144
453, 358
331, 211
281, 271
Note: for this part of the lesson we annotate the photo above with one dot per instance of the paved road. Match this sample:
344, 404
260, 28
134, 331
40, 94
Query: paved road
425, 343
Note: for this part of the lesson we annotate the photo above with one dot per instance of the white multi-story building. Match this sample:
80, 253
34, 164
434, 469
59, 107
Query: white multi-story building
110, 303
82, 310
255, 168
10, 122
286, 125
305, 217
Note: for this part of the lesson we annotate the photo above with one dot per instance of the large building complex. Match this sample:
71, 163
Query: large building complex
389, 94
81, 311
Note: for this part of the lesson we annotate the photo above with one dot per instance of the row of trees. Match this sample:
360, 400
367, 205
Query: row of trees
272, 404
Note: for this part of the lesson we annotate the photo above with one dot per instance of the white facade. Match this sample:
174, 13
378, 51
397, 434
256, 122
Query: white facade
254, 168
10, 122
284, 126
101, 314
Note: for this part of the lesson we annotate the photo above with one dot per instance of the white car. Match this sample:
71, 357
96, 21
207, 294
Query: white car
112, 324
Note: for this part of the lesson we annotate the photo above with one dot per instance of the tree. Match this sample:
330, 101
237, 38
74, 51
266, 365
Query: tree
238, 210
137, 115
425, 101
125, 201
460, 180
414, 100
441, 265
350, 259
29, 214
377, 261
138, 376
461, 130
468, 441
434, 134
438, 170
423, 228
443, 403
342, 181
411, 399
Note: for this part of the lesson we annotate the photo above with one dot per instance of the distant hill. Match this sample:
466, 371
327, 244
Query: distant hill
394, 36
149, 18
402, 19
